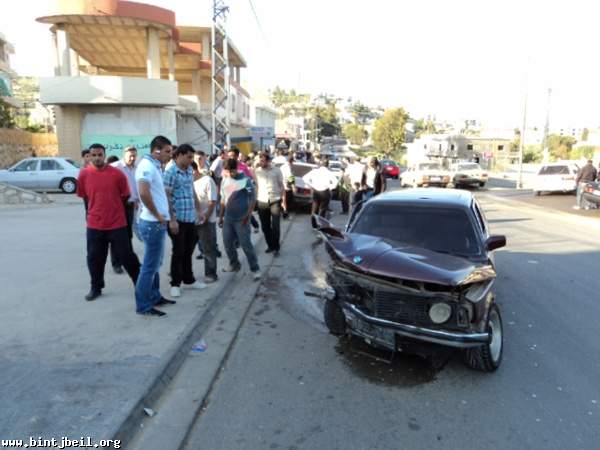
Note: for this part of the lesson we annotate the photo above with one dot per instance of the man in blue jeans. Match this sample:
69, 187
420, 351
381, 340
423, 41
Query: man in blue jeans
237, 203
153, 219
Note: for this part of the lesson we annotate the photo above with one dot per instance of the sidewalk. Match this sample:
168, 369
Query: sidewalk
70, 367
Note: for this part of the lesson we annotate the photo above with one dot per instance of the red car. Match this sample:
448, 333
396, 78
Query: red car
390, 168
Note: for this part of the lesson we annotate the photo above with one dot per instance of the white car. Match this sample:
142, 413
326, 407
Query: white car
468, 174
556, 177
425, 174
43, 174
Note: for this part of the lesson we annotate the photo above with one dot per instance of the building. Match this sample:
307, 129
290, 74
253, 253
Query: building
7, 74
126, 72
263, 120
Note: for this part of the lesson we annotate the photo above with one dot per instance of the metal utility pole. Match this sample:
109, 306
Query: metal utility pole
523, 128
220, 89
545, 146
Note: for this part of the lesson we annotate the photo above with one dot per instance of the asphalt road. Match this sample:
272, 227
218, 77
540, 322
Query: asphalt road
288, 384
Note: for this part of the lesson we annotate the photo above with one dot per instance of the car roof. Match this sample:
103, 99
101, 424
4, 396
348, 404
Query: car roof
560, 163
427, 196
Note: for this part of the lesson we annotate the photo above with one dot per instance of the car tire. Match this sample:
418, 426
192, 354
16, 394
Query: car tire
334, 318
488, 357
481, 184
68, 185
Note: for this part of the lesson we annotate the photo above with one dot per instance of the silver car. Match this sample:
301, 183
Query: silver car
43, 174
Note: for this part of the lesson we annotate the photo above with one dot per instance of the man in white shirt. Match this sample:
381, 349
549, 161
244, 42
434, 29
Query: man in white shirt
154, 215
279, 159
205, 190
270, 194
322, 181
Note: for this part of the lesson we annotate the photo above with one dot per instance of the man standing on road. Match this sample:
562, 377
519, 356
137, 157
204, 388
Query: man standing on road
587, 174
237, 203
179, 184
322, 181
154, 215
105, 191
270, 192
127, 166
374, 179
234, 153
206, 224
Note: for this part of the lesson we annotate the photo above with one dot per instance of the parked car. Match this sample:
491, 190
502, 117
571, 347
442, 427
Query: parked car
390, 168
591, 194
468, 174
425, 174
413, 272
302, 193
556, 177
43, 174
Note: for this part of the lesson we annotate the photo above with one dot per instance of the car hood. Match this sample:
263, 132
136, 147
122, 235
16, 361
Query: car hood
372, 255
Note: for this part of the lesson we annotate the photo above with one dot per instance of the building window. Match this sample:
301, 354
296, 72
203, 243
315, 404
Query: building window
452, 147
232, 103
500, 147
469, 146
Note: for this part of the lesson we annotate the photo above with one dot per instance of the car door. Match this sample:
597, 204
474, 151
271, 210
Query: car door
51, 172
24, 174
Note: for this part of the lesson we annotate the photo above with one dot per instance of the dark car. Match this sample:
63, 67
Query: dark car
390, 168
591, 194
413, 272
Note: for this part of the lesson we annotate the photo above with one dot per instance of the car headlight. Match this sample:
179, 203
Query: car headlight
440, 312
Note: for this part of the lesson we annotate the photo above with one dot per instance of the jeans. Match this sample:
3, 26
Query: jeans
270, 217
237, 231
97, 252
147, 288
580, 201
181, 257
129, 215
207, 234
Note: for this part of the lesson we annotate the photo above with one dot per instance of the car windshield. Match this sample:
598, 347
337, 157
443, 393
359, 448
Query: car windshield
335, 166
73, 163
429, 166
473, 166
387, 162
300, 171
443, 230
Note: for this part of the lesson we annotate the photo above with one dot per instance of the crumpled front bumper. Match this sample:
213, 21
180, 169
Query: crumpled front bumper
441, 337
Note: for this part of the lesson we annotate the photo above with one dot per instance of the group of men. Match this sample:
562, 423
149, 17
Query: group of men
186, 200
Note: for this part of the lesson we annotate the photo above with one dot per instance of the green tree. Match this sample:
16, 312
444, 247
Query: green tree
561, 146
361, 114
355, 133
423, 126
388, 134
6, 118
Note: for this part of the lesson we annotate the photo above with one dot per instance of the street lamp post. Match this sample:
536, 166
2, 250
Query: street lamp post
522, 142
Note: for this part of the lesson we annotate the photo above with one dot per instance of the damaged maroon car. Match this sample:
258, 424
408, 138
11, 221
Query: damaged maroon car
413, 272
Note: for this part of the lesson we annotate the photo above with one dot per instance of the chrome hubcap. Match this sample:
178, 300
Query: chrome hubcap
496, 333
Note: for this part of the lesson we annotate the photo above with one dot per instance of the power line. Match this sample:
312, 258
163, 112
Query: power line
262, 32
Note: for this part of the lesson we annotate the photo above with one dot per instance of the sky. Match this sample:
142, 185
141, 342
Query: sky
458, 59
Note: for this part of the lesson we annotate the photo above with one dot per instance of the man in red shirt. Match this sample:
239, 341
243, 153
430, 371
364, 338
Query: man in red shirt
105, 190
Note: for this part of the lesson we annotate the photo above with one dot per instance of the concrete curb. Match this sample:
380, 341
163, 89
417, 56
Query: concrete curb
170, 364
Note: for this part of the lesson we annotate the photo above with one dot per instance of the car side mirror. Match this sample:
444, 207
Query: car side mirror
495, 242
326, 227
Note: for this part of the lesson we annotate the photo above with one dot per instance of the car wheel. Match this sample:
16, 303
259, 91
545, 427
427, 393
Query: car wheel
68, 185
334, 318
481, 184
488, 357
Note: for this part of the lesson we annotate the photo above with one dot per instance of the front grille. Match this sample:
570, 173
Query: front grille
401, 307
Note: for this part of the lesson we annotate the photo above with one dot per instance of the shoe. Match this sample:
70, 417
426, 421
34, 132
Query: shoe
256, 275
276, 254
118, 269
200, 256
175, 291
164, 302
195, 285
93, 295
231, 268
210, 280
269, 250
219, 254
153, 312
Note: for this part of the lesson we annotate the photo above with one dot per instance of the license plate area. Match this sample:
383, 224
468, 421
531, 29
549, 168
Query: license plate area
374, 334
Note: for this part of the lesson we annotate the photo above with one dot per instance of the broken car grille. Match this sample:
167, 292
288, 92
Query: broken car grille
401, 308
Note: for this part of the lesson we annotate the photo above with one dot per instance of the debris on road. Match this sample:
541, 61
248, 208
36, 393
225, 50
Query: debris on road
149, 412
199, 347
